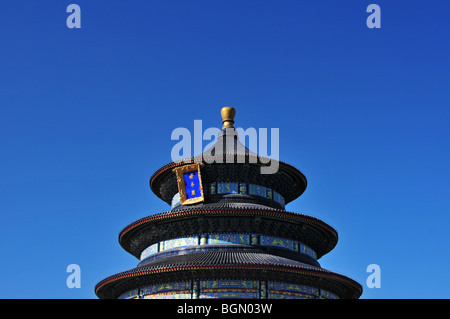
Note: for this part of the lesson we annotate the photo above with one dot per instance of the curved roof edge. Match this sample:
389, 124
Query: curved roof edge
126, 235
113, 286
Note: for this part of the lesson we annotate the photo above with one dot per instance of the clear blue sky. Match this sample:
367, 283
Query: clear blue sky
86, 117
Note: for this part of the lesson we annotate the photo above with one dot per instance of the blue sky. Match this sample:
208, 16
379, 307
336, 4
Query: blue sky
86, 117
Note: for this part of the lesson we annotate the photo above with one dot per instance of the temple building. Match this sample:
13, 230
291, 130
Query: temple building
228, 234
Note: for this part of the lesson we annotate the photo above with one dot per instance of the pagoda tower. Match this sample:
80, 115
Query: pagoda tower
228, 234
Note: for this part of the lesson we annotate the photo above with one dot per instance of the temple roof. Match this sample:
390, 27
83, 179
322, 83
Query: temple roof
228, 264
228, 160
228, 217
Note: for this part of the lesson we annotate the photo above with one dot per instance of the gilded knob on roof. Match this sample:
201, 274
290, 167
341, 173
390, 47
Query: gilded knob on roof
228, 114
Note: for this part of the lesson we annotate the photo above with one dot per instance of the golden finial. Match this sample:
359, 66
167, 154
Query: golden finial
228, 114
